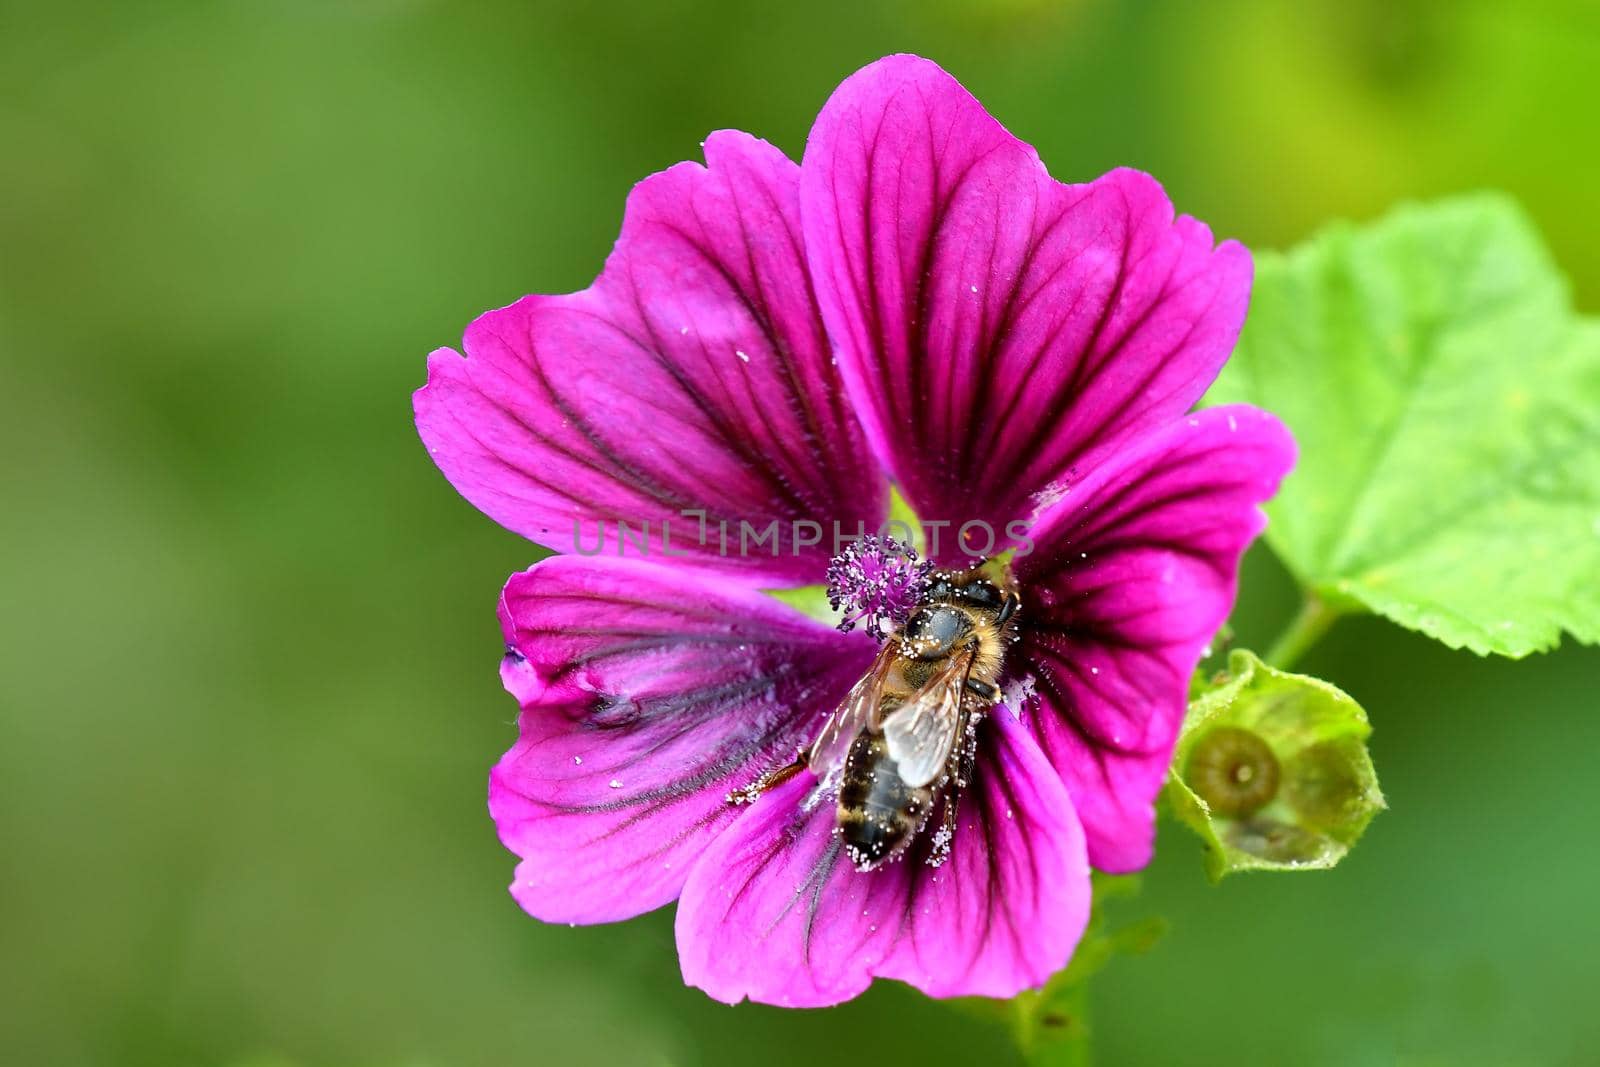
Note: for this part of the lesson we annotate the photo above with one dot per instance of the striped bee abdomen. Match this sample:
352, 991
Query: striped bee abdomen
878, 813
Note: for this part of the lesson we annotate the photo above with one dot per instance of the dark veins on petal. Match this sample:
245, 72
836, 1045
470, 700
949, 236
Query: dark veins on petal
1115, 526
750, 694
694, 375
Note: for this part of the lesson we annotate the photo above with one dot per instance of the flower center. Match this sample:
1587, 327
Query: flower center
876, 582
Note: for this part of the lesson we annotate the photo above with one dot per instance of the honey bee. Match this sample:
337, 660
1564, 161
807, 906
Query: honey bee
904, 736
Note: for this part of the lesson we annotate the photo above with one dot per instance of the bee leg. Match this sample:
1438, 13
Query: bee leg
984, 690
968, 753
960, 773
963, 762
945, 836
1008, 608
770, 780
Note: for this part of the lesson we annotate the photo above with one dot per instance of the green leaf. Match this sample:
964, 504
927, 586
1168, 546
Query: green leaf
1447, 405
1272, 771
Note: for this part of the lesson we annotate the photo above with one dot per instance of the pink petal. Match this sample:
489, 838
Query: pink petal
648, 694
693, 376
775, 912
994, 326
1133, 572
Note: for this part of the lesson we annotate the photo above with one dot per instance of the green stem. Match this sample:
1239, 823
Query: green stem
1022, 1028
1307, 628
1050, 1026
1052, 1029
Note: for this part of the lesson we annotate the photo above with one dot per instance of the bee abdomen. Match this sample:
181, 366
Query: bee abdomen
878, 813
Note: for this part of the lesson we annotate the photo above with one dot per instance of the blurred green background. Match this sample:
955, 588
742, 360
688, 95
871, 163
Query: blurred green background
247, 654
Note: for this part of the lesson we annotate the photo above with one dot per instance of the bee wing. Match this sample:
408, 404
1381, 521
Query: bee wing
857, 711
922, 732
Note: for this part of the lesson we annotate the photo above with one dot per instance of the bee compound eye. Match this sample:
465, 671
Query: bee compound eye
982, 593
933, 631
939, 587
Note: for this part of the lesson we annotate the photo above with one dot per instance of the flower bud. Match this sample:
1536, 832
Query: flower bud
1272, 771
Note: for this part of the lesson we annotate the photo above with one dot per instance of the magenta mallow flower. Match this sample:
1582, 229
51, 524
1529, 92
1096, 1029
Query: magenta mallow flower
768, 346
